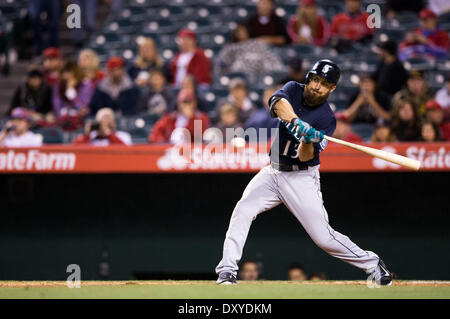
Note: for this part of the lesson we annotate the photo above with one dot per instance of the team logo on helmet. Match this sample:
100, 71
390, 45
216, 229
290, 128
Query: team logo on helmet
326, 68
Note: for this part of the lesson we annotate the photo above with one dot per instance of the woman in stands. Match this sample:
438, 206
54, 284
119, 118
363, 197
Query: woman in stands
306, 26
89, 63
406, 122
71, 97
146, 61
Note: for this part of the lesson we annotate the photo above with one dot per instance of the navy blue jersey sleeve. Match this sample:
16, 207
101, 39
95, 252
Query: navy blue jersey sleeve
288, 91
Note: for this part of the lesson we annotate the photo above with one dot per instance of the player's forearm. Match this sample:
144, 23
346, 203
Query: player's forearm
306, 152
283, 109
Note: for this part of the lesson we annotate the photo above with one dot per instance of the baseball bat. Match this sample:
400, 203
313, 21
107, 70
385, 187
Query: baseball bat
390, 157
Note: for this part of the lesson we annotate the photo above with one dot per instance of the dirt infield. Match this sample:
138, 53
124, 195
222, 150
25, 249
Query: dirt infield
36, 284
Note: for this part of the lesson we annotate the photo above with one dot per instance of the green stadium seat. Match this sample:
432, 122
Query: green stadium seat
139, 135
420, 64
50, 135
365, 130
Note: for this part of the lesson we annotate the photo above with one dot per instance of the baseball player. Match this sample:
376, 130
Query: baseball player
292, 178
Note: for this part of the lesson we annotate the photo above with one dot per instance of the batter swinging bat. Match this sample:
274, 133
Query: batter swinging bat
390, 157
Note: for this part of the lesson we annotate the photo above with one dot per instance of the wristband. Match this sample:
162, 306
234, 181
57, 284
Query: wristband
295, 121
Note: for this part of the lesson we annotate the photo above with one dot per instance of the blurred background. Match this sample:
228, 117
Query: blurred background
128, 72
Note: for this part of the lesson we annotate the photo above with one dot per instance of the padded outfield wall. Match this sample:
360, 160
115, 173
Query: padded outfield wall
173, 225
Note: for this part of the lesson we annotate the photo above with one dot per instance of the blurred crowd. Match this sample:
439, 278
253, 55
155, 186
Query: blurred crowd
81, 96
251, 270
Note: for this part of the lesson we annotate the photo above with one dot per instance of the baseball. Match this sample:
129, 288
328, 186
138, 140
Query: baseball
238, 142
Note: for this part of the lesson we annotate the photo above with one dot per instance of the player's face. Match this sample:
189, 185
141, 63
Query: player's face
317, 91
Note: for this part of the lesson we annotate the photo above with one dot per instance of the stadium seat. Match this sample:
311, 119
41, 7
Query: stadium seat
139, 135
390, 34
160, 27
421, 64
365, 130
50, 135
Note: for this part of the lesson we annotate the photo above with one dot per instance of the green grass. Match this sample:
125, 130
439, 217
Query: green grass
208, 290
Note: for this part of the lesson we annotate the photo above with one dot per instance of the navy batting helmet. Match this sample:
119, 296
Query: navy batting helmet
326, 69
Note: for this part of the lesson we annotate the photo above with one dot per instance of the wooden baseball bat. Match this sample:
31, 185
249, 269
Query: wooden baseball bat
390, 157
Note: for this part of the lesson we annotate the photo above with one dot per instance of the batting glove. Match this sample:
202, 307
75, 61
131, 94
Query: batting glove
314, 136
298, 128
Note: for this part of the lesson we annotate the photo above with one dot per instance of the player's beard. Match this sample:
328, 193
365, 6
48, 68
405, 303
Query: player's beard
313, 99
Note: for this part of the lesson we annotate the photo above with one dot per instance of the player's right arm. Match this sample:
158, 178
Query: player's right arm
284, 110
281, 108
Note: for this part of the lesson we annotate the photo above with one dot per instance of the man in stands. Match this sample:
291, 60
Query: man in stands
103, 132
190, 60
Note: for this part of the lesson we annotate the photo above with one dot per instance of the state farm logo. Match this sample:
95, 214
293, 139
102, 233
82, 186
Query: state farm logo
430, 159
34, 160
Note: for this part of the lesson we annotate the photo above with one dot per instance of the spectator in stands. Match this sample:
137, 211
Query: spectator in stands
88, 10
189, 82
351, 26
383, 132
89, 63
156, 98
318, 276
406, 122
146, 60
53, 10
390, 74
35, 95
343, 129
249, 56
436, 115
178, 126
306, 26
427, 41
429, 132
190, 60
295, 71
416, 90
238, 97
261, 119
443, 95
368, 103
16, 132
249, 271
103, 132
71, 97
266, 26
296, 273
228, 118
116, 91
439, 6
52, 65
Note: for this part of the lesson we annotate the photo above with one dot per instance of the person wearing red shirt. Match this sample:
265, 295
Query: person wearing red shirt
436, 115
179, 126
306, 26
343, 129
427, 41
351, 26
190, 60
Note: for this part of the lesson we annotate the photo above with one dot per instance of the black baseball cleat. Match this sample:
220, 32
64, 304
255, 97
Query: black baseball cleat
382, 275
226, 278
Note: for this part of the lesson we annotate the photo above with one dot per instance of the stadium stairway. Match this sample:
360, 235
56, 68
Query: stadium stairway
9, 84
